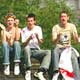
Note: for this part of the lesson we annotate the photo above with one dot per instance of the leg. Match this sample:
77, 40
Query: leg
5, 50
6, 62
75, 65
46, 59
50, 71
27, 55
55, 58
44, 56
17, 51
55, 55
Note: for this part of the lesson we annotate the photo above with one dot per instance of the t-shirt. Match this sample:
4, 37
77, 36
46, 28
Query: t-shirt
25, 33
65, 34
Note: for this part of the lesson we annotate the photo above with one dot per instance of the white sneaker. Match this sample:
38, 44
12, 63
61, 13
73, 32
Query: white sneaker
7, 69
55, 76
41, 76
28, 75
16, 69
36, 74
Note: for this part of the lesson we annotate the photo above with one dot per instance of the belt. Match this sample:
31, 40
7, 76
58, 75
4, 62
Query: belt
34, 48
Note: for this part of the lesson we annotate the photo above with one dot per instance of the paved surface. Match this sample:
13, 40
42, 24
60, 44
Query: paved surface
22, 69
13, 77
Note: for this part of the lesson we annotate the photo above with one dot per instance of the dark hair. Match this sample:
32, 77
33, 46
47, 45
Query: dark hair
30, 15
66, 12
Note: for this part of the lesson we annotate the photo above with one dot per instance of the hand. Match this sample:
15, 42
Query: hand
79, 39
31, 36
36, 35
58, 36
2, 26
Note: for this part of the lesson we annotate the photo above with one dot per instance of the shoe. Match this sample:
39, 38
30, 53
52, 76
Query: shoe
55, 76
7, 69
39, 75
36, 75
28, 75
16, 69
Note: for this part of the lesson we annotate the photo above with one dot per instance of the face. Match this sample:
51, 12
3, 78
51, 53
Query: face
64, 18
30, 22
10, 22
16, 22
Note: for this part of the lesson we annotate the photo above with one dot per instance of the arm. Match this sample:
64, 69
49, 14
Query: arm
2, 26
40, 41
39, 35
31, 37
3, 36
27, 41
55, 35
75, 34
4, 33
17, 33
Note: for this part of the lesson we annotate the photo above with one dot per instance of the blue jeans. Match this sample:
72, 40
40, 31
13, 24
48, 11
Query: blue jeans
8, 51
44, 57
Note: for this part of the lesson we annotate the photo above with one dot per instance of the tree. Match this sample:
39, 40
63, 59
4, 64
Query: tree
47, 14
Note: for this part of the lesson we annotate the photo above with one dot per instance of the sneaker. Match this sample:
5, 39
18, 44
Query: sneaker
36, 75
55, 76
28, 75
16, 69
7, 69
39, 75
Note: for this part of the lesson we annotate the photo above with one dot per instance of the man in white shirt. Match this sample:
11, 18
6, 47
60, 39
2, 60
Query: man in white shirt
31, 39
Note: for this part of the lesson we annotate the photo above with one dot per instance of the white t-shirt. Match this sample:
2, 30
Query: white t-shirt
25, 33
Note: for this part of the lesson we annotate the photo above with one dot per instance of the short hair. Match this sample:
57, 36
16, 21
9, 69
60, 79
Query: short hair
66, 12
10, 15
30, 15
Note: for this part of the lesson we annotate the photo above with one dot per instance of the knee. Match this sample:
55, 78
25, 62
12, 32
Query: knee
48, 52
26, 50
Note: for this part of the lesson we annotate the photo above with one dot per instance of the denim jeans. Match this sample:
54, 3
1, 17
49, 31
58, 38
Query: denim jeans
14, 51
55, 60
44, 57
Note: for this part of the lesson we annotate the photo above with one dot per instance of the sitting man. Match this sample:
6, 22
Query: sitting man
61, 35
10, 46
31, 39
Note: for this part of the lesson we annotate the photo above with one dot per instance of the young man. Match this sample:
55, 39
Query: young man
61, 36
31, 39
10, 46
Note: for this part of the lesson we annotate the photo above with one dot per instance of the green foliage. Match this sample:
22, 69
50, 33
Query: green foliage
47, 14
